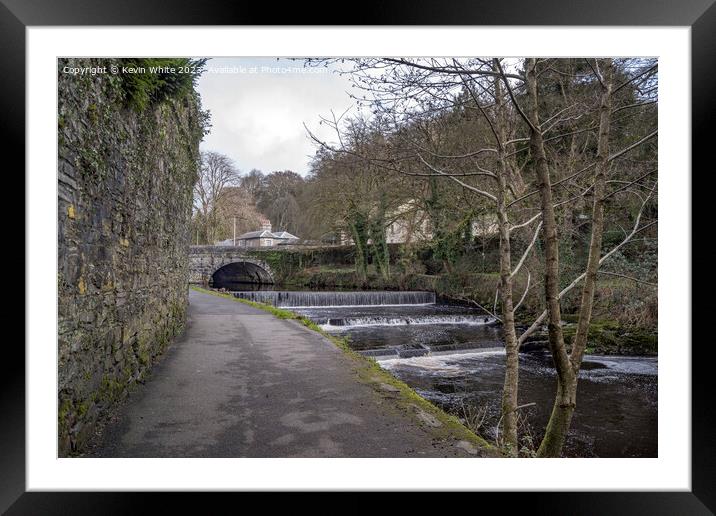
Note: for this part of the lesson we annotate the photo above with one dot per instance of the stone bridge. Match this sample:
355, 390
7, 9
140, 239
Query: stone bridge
215, 265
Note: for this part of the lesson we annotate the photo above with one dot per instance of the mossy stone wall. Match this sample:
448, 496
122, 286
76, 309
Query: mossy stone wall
125, 181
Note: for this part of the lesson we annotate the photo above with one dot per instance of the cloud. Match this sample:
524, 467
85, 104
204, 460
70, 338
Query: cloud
257, 118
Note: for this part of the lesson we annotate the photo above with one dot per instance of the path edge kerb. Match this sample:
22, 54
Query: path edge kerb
370, 372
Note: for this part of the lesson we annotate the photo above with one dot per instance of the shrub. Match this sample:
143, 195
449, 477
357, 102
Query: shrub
148, 87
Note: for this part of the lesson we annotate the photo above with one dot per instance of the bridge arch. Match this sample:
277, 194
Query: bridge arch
241, 271
216, 264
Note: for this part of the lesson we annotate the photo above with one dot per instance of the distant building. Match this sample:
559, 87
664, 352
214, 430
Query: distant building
485, 225
409, 224
262, 238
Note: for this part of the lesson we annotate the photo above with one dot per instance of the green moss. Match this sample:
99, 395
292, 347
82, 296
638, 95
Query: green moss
144, 357
608, 337
143, 87
92, 113
111, 390
84, 406
64, 410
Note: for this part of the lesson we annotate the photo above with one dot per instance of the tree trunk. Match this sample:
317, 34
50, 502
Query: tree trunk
560, 419
381, 254
511, 384
510, 388
358, 226
568, 210
566, 400
565, 375
595, 244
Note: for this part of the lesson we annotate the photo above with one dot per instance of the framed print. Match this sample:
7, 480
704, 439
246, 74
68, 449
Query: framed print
332, 257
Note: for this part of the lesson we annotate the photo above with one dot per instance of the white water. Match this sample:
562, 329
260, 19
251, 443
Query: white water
352, 306
447, 364
623, 365
453, 363
309, 299
361, 322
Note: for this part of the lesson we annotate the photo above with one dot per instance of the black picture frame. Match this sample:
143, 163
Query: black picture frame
700, 15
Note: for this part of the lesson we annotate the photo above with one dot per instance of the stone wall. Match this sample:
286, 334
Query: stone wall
125, 178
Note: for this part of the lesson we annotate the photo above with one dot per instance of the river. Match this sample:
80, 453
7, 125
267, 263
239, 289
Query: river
453, 355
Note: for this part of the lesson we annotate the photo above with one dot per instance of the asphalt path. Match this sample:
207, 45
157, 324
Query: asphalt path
243, 383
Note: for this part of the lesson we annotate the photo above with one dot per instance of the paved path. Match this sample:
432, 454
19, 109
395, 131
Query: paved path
243, 383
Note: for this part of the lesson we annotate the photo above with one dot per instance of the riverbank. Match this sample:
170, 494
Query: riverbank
452, 355
614, 330
392, 394
252, 381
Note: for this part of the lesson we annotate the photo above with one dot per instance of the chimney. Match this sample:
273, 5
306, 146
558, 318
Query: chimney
265, 225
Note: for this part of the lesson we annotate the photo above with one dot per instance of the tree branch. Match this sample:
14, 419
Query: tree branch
512, 97
529, 248
465, 185
529, 331
524, 294
628, 277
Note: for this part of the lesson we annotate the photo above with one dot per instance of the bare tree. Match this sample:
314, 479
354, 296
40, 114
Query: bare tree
236, 213
216, 172
437, 79
412, 96
253, 182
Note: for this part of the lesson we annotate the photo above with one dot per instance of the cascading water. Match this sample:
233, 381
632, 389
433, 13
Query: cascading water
308, 299
351, 322
392, 324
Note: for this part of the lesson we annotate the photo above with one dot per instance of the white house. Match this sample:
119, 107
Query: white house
262, 238
409, 224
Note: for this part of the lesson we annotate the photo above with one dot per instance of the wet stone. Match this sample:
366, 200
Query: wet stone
389, 388
426, 418
467, 447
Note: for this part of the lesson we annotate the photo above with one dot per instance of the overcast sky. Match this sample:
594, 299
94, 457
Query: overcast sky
257, 115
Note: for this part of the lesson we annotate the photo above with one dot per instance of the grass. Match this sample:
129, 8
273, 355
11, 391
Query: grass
369, 372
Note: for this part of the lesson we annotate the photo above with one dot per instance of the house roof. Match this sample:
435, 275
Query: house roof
284, 234
255, 234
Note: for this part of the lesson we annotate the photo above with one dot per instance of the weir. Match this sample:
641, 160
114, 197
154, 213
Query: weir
300, 299
350, 322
